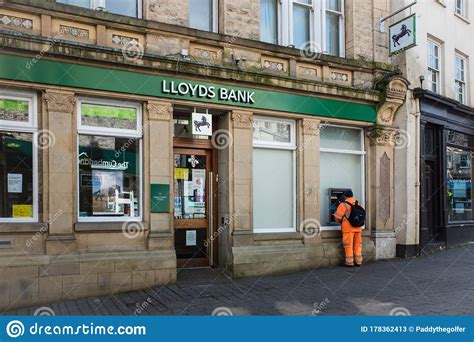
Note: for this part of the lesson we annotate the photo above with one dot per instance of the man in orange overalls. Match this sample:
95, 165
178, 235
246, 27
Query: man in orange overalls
351, 236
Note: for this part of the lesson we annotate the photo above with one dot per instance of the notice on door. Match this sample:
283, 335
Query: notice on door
190, 238
15, 183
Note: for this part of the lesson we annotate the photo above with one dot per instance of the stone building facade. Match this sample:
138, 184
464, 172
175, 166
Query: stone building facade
110, 182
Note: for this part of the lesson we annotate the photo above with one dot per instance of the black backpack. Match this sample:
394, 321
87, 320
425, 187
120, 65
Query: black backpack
357, 216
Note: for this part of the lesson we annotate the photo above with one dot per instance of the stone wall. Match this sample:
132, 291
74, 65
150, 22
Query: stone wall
167, 11
30, 280
241, 18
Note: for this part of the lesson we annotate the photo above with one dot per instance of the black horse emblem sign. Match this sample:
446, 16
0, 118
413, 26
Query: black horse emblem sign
202, 123
404, 31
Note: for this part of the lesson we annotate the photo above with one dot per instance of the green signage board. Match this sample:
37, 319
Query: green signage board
146, 84
160, 198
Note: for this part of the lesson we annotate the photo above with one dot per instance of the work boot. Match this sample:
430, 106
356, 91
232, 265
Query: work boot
357, 265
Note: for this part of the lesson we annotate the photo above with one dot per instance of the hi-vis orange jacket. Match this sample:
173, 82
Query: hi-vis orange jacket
342, 213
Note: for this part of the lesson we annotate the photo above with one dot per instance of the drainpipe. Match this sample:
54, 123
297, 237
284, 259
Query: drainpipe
417, 169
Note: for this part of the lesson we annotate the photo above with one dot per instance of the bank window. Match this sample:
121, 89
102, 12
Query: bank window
316, 25
459, 187
109, 159
341, 168
203, 15
18, 157
131, 8
274, 175
460, 78
460, 7
434, 67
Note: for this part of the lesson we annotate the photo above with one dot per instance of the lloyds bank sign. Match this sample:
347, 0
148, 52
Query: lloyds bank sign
200, 91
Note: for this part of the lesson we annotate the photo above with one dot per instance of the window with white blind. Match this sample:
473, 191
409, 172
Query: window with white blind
274, 175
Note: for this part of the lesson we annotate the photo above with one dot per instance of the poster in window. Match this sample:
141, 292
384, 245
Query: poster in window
199, 182
106, 191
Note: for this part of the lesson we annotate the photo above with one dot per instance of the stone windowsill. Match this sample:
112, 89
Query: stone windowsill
87, 227
23, 227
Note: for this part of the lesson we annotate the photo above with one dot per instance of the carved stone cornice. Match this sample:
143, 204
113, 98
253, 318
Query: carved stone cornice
60, 102
159, 111
383, 136
242, 119
311, 126
394, 97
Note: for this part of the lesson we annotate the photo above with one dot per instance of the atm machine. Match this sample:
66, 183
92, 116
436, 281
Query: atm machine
334, 200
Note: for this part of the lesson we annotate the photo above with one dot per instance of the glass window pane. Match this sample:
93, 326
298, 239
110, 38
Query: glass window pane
14, 110
123, 7
16, 175
81, 3
189, 186
271, 131
301, 25
333, 172
333, 34
200, 14
459, 178
272, 188
268, 21
340, 138
334, 5
109, 177
96, 115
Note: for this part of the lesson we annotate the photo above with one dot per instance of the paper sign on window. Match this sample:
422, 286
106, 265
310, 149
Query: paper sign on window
15, 183
22, 210
190, 238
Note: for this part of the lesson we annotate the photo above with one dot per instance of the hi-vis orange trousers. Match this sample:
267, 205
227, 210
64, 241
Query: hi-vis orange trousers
352, 243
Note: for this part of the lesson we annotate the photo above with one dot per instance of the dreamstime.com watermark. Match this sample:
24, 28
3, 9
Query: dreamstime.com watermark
16, 328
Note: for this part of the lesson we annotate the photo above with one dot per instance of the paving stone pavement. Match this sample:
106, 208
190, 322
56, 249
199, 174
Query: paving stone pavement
438, 284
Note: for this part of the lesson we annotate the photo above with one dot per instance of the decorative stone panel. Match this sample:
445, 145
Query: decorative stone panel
68, 30
207, 53
340, 76
19, 21
309, 71
119, 39
275, 65
74, 32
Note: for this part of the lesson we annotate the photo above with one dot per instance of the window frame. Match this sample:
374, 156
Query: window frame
291, 146
430, 68
460, 11
32, 128
342, 45
117, 133
136, 133
457, 81
318, 33
362, 153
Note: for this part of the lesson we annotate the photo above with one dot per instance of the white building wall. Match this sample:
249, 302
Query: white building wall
436, 20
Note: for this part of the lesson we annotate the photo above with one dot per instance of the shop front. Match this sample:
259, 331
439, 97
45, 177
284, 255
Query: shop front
446, 172
122, 177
